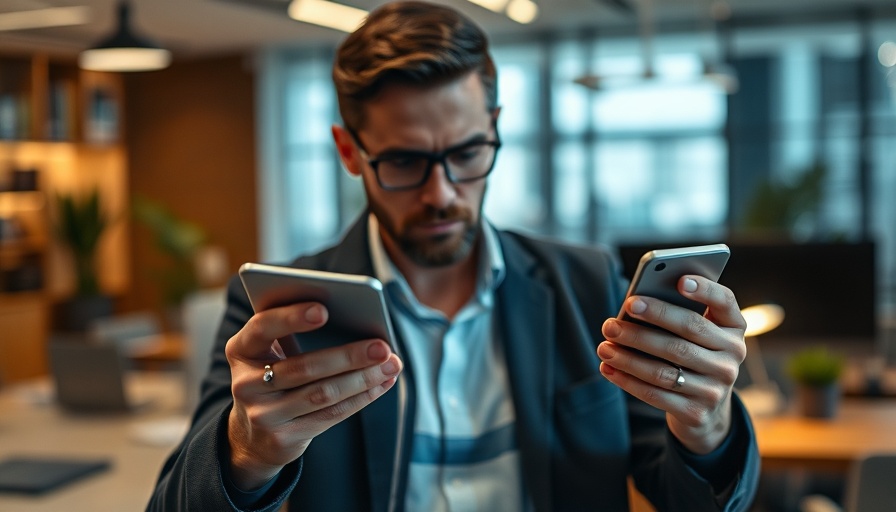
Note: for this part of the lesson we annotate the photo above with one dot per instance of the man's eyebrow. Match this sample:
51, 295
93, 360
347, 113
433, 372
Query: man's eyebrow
476, 137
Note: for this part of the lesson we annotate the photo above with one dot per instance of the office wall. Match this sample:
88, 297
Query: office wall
190, 133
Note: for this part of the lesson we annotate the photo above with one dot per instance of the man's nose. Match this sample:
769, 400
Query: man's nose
438, 190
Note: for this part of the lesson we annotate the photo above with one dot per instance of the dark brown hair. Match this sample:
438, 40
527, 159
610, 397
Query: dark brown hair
413, 42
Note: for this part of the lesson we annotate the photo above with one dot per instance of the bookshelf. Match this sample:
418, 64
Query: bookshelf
60, 132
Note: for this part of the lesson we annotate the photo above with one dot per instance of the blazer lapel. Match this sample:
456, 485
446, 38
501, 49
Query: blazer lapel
527, 316
379, 420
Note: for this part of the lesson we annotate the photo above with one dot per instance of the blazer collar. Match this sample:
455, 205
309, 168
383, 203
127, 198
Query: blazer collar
352, 254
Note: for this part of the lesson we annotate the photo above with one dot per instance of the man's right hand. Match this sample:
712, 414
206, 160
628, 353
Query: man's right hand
272, 423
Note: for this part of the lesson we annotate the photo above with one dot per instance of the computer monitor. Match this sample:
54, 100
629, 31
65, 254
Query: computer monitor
827, 289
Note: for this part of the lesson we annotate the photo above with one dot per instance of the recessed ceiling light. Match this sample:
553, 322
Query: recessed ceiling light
327, 14
42, 18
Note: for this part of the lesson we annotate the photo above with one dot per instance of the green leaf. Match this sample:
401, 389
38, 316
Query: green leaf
179, 240
815, 366
80, 226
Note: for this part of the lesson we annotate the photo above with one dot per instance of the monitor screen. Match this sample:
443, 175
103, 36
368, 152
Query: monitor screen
827, 289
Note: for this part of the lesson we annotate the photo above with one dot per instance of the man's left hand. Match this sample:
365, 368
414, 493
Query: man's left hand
708, 349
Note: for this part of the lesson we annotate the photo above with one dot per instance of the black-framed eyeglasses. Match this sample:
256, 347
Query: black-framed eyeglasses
409, 169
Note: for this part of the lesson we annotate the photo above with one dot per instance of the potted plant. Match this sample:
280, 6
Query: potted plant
80, 226
179, 240
816, 372
780, 208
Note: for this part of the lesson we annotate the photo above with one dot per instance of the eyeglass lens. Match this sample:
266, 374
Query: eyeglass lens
466, 163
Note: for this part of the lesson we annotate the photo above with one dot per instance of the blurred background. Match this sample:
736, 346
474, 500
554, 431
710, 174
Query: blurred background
127, 198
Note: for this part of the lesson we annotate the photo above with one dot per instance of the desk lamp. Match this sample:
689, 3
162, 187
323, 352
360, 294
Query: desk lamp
762, 397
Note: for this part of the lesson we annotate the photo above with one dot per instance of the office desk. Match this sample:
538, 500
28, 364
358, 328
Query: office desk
161, 351
29, 427
861, 426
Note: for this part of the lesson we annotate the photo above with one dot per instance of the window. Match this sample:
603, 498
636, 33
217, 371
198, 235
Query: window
633, 161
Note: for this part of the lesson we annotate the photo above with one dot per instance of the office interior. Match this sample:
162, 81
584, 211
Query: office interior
769, 126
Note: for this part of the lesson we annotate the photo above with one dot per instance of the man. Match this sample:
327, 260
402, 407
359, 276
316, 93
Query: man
501, 393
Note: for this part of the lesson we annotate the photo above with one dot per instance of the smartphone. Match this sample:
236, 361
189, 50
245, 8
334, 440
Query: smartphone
658, 273
356, 304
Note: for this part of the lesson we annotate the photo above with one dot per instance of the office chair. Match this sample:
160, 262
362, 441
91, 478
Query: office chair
870, 487
202, 313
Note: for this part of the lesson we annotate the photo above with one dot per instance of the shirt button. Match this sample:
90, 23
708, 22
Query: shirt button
456, 482
453, 402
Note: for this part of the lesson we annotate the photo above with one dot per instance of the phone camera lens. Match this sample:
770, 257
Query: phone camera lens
661, 266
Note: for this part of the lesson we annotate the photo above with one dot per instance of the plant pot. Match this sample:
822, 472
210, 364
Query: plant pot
77, 313
818, 401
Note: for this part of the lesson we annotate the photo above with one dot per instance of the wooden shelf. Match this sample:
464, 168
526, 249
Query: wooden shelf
21, 200
62, 125
46, 100
17, 298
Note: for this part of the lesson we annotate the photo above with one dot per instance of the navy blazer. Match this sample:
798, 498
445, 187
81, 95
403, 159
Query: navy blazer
579, 435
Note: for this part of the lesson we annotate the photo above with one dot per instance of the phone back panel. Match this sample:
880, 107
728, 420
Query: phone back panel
355, 304
658, 274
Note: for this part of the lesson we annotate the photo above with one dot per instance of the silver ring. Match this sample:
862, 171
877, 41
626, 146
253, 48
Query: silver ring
679, 381
269, 373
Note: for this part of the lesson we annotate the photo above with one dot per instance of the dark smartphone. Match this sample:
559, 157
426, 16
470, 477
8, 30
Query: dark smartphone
658, 273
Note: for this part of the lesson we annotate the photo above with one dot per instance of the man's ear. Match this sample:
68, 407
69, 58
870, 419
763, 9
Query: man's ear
345, 146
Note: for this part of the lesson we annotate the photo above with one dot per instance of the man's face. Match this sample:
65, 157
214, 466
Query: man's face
436, 224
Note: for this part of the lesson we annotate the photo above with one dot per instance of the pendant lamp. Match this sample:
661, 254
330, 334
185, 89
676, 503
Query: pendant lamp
124, 50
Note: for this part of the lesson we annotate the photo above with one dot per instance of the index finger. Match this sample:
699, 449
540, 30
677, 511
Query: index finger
720, 301
255, 339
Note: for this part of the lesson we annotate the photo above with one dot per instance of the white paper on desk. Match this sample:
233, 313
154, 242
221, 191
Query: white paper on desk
160, 432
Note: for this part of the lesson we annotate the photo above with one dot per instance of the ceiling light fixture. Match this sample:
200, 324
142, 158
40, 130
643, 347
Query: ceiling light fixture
722, 75
714, 70
492, 5
717, 70
886, 54
124, 50
520, 11
327, 14
43, 18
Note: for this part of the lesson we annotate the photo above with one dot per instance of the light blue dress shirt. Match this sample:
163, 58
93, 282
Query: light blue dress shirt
465, 454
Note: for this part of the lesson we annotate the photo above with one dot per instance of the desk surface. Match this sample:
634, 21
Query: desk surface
136, 444
862, 426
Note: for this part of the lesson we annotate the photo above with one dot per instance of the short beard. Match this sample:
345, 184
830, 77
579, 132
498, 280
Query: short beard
440, 251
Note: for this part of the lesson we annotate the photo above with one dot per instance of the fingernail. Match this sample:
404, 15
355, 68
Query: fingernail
690, 285
314, 314
612, 329
638, 306
377, 351
390, 367
607, 369
606, 351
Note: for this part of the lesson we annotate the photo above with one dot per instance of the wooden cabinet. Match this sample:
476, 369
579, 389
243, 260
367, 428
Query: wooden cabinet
24, 327
59, 134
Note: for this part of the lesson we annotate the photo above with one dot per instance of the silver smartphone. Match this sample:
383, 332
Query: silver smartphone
355, 303
658, 273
